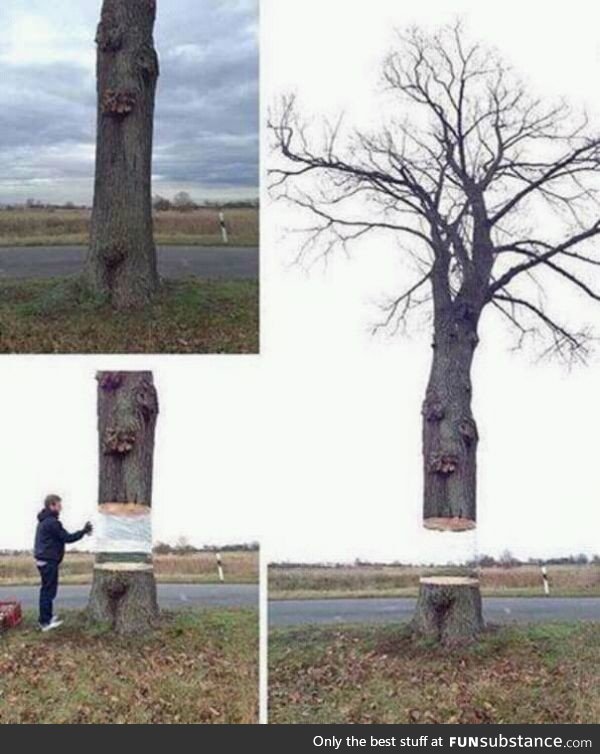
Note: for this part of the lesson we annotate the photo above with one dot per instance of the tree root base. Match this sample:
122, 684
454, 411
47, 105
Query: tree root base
448, 610
124, 601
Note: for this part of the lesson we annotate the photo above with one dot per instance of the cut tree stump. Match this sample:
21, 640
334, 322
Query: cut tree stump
449, 609
126, 601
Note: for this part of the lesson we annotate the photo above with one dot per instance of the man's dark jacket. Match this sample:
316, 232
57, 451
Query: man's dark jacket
51, 537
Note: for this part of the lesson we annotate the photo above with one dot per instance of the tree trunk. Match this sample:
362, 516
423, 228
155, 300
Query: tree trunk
123, 591
449, 432
122, 258
449, 605
449, 608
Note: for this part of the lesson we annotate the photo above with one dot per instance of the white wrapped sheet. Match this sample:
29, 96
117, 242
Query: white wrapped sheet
124, 533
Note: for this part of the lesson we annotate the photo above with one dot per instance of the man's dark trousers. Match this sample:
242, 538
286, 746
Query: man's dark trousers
49, 576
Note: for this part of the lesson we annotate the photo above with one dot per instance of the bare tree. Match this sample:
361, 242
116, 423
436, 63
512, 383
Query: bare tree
122, 258
465, 178
183, 202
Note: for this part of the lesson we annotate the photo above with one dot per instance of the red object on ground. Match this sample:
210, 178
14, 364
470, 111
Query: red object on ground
11, 614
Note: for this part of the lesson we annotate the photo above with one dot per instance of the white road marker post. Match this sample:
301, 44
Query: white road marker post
545, 580
220, 568
223, 225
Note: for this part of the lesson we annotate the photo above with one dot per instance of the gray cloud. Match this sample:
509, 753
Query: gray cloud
206, 136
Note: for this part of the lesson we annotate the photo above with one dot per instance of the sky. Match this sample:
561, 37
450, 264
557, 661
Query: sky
206, 128
348, 460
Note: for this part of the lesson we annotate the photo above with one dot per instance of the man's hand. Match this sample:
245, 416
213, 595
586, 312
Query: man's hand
88, 528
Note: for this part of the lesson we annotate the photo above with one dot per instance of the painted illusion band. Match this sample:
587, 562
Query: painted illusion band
124, 537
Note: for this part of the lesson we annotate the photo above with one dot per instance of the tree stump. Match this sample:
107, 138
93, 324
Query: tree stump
123, 591
449, 609
122, 265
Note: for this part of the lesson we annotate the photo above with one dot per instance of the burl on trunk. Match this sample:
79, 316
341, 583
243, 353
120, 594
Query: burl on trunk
449, 605
122, 258
123, 591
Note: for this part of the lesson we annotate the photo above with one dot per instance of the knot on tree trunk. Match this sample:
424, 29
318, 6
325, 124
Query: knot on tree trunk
116, 588
443, 463
110, 380
118, 441
442, 598
473, 339
118, 104
468, 431
466, 313
433, 409
147, 400
465, 320
113, 255
109, 36
148, 62
450, 615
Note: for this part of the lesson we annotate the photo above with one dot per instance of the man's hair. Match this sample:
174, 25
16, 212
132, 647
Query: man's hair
51, 500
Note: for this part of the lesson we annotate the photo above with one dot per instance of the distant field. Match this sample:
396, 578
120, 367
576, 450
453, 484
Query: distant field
548, 673
32, 227
240, 567
314, 582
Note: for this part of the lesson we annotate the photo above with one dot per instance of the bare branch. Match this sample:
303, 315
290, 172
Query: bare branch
475, 160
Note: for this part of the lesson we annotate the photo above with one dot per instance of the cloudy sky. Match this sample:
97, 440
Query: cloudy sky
207, 107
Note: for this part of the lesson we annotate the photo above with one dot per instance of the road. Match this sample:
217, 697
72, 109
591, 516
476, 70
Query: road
387, 610
173, 261
170, 596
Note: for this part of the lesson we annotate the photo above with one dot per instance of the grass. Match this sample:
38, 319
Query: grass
239, 567
334, 582
538, 674
33, 227
188, 316
199, 667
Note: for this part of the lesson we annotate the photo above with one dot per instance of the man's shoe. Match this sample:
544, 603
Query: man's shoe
56, 619
49, 626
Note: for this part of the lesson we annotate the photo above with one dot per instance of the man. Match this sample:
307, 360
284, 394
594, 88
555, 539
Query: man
49, 550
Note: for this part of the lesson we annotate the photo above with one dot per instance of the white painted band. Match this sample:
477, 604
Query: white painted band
449, 580
115, 533
123, 567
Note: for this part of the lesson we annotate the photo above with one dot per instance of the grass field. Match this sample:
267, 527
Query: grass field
191, 316
542, 674
40, 227
239, 567
318, 582
199, 667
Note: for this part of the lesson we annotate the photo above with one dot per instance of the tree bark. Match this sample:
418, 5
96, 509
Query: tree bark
123, 591
122, 258
448, 609
450, 434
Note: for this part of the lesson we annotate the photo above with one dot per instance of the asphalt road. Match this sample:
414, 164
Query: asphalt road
229, 262
170, 596
388, 610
